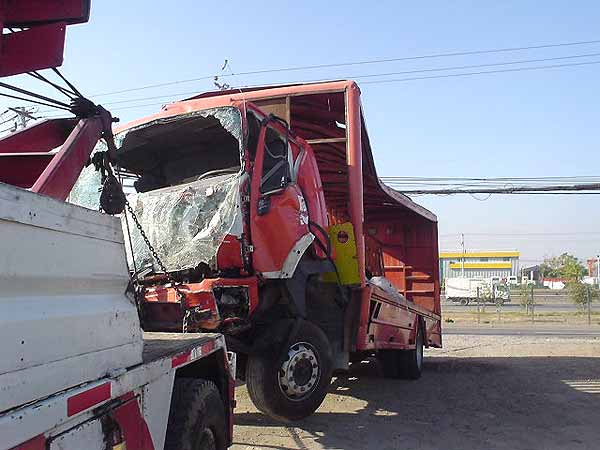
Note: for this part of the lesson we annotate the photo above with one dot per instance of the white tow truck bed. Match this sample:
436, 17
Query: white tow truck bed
57, 418
74, 362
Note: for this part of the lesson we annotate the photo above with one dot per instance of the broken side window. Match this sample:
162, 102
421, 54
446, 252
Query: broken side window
276, 167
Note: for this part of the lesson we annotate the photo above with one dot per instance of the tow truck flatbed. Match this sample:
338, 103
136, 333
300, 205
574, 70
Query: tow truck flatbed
160, 345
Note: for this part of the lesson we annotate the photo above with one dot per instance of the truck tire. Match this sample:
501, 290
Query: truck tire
404, 364
410, 362
294, 388
197, 417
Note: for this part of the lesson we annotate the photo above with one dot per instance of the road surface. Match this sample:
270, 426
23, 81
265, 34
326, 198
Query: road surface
477, 393
524, 330
516, 307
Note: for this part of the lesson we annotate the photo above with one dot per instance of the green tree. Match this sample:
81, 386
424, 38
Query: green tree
582, 293
525, 296
563, 266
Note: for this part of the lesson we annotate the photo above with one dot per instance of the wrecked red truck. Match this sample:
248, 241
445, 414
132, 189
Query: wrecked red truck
258, 214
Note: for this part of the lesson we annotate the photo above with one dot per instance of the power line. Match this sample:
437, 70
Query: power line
406, 72
554, 66
13, 117
486, 178
354, 63
525, 234
572, 185
12, 128
509, 190
451, 75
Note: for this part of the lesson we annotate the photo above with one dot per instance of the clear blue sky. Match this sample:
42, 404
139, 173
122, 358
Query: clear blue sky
539, 123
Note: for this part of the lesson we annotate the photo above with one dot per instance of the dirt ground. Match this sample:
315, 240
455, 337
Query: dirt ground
479, 392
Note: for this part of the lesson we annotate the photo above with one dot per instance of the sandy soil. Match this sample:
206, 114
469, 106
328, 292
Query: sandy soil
479, 392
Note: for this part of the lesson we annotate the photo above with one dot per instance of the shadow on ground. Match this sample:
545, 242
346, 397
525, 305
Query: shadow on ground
459, 403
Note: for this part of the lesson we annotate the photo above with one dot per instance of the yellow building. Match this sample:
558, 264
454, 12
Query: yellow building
480, 264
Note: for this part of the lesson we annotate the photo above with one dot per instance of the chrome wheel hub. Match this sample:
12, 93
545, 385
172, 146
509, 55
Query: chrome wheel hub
300, 372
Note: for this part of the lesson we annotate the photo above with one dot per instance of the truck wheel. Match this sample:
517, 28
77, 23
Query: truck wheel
197, 417
411, 361
288, 381
464, 301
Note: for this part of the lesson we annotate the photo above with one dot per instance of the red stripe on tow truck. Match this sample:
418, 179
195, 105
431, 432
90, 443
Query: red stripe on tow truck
208, 347
180, 359
191, 355
86, 399
37, 443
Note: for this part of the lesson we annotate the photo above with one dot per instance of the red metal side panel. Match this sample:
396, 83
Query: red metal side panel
23, 170
133, 425
37, 48
229, 253
37, 443
26, 13
40, 137
60, 175
87, 399
433, 332
410, 258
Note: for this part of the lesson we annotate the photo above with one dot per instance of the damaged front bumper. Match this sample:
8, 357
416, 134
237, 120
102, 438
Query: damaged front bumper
162, 309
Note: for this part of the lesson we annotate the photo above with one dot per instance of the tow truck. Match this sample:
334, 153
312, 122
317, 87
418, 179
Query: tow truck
76, 369
263, 208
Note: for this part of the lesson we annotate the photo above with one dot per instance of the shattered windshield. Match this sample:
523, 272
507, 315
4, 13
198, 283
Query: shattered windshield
185, 223
181, 175
167, 152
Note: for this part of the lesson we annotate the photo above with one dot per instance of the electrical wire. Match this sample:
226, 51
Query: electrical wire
12, 128
359, 77
525, 234
464, 74
9, 119
553, 178
355, 63
554, 66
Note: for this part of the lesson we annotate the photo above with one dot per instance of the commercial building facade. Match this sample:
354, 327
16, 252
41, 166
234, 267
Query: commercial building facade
479, 264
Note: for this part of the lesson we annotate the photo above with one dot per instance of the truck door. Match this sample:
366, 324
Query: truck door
278, 212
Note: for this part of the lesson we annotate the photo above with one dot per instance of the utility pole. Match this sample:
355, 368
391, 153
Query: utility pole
24, 115
462, 265
598, 269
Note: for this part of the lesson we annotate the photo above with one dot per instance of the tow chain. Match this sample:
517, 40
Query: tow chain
180, 293
102, 163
